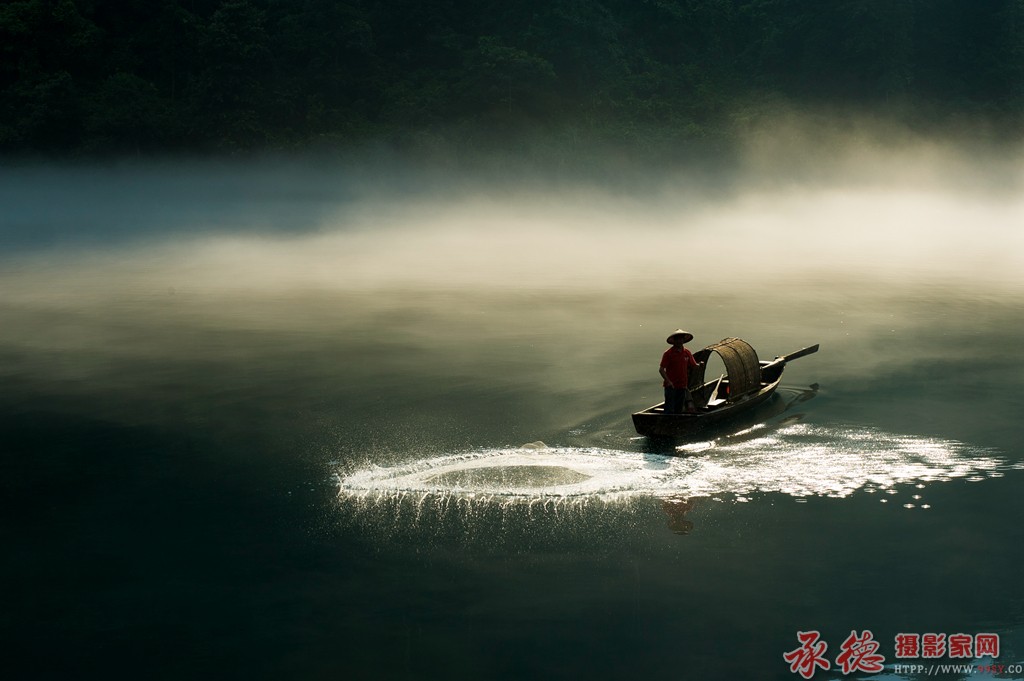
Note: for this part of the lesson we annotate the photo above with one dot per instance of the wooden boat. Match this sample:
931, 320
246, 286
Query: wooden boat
747, 383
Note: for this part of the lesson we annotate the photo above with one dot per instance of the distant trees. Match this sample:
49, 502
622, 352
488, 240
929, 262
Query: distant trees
45, 47
94, 76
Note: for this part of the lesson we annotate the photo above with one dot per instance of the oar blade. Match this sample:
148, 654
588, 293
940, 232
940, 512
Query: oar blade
800, 353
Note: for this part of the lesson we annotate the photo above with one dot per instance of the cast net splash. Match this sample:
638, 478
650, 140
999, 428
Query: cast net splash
799, 460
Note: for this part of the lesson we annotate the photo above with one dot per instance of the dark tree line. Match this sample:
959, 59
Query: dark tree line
96, 76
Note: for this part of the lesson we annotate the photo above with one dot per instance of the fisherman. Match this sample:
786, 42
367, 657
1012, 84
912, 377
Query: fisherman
675, 370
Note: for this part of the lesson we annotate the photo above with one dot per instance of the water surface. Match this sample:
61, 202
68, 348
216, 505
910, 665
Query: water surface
299, 426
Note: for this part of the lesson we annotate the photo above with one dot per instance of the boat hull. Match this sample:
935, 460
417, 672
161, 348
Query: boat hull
653, 422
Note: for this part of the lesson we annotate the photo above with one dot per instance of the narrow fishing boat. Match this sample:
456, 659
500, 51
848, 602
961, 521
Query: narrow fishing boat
746, 383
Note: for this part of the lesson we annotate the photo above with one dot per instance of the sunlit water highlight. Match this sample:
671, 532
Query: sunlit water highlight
799, 460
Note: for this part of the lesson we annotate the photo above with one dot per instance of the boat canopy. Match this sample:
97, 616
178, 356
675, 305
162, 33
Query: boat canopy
741, 365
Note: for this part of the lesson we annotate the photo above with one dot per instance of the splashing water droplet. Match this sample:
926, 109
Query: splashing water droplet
800, 459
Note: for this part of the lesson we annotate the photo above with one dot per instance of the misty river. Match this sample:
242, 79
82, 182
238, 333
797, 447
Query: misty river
311, 421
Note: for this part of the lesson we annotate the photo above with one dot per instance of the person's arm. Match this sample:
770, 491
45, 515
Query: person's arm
664, 374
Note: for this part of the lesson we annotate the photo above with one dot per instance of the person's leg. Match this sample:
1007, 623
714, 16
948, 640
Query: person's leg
670, 401
674, 400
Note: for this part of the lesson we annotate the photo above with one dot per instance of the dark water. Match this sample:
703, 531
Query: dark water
279, 433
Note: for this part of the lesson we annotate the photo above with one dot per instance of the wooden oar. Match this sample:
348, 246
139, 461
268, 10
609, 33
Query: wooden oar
713, 400
791, 356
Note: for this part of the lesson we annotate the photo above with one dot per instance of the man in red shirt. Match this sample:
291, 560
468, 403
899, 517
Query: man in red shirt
675, 370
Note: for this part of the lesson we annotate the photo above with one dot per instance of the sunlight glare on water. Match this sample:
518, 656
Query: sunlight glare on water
799, 460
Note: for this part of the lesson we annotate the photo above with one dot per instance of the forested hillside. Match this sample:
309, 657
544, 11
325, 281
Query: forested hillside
150, 76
